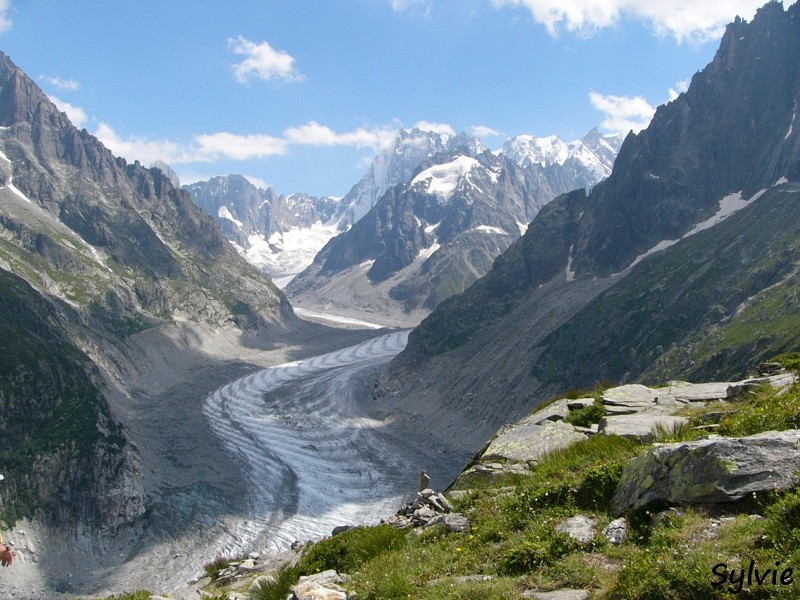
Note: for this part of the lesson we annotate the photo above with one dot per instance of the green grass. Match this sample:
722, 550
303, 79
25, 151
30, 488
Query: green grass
764, 410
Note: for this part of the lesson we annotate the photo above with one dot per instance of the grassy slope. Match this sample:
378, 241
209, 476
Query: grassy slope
513, 538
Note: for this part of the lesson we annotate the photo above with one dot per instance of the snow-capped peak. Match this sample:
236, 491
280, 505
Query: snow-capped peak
441, 180
398, 162
594, 151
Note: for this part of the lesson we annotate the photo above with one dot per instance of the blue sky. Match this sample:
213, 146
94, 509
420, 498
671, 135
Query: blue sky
300, 94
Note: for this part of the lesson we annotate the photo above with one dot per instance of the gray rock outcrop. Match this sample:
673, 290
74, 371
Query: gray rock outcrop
716, 470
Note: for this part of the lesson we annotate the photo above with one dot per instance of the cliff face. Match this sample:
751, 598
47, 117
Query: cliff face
97, 257
579, 298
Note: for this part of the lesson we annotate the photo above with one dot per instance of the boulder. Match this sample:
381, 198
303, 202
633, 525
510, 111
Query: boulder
616, 532
565, 594
580, 528
527, 441
322, 586
718, 470
456, 522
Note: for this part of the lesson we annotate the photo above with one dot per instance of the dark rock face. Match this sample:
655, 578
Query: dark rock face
242, 210
562, 307
93, 251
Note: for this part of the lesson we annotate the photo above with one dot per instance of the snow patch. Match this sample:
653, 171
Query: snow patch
441, 180
780, 181
426, 253
523, 227
224, 213
310, 315
431, 228
727, 206
289, 252
570, 273
791, 125
490, 229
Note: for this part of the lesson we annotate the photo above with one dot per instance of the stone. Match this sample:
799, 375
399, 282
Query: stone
322, 586
423, 515
579, 403
580, 528
565, 594
718, 470
617, 531
341, 529
263, 580
461, 579
456, 522
639, 425
527, 441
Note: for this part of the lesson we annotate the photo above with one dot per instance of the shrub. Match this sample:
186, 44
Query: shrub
535, 551
349, 550
597, 488
587, 415
279, 590
765, 411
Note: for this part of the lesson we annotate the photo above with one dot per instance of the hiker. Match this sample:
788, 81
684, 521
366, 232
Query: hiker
6, 555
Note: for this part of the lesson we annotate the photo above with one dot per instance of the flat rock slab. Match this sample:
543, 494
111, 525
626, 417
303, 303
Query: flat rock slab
566, 594
710, 471
527, 441
703, 392
639, 425
580, 528
635, 397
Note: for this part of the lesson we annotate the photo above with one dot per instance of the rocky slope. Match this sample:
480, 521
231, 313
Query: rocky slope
435, 234
113, 287
657, 235
279, 234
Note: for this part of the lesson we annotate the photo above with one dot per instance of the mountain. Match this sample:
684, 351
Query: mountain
113, 286
682, 263
279, 234
438, 231
282, 234
398, 163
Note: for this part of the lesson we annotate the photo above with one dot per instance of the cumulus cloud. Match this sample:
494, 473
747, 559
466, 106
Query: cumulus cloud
623, 113
685, 20
314, 134
139, 148
422, 6
435, 127
482, 131
76, 114
68, 85
238, 147
210, 147
5, 18
262, 62
679, 88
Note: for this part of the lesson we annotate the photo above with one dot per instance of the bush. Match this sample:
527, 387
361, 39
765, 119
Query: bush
536, 551
597, 488
587, 415
765, 411
279, 590
349, 550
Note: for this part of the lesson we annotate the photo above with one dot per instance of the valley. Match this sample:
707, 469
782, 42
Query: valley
219, 370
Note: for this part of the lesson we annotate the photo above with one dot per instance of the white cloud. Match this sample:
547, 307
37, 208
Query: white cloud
623, 113
257, 181
145, 150
679, 88
422, 6
5, 19
262, 62
69, 85
76, 114
482, 131
435, 127
685, 20
314, 134
238, 147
